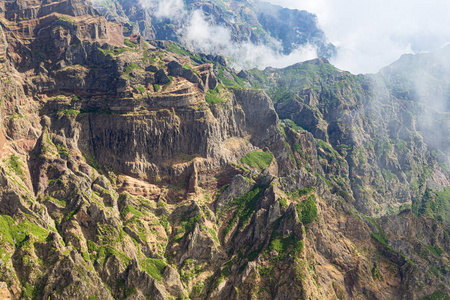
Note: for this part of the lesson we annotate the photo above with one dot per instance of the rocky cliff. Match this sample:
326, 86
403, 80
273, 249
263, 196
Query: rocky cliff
132, 169
257, 22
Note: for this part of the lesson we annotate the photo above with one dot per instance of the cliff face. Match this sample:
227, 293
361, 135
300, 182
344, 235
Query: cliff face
373, 146
247, 21
131, 170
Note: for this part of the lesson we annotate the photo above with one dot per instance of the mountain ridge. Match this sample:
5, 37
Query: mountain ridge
133, 169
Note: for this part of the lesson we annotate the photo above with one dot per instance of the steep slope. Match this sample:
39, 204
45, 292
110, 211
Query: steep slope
132, 170
372, 145
247, 21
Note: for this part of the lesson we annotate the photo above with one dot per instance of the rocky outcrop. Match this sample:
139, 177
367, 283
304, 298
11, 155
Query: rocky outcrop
365, 134
115, 185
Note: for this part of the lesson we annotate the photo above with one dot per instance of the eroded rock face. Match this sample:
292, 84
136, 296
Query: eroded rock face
116, 185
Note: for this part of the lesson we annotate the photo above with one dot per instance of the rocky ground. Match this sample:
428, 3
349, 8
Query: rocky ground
132, 169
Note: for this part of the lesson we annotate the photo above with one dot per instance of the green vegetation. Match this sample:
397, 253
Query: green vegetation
186, 66
329, 184
327, 147
132, 210
284, 245
140, 88
156, 87
307, 210
388, 175
437, 295
57, 201
175, 48
129, 43
190, 223
296, 194
245, 207
92, 161
68, 112
101, 253
293, 125
435, 250
165, 86
283, 202
70, 214
235, 82
68, 20
187, 224
21, 233
213, 96
15, 165
435, 204
259, 160
254, 254
376, 273
127, 70
153, 266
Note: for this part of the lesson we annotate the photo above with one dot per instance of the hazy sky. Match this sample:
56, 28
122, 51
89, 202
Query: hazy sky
372, 34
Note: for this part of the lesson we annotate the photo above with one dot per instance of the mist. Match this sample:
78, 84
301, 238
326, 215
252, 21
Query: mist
202, 34
170, 9
372, 34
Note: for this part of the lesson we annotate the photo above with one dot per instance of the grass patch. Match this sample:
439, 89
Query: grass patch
104, 252
283, 202
19, 234
68, 112
115, 52
127, 70
259, 160
437, 295
130, 43
307, 210
15, 165
140, 88
154, 267
131, 209
213, 99
59, 202
214, 96
296, 194
284, 245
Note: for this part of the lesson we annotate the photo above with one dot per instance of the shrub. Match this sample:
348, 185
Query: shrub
307, 210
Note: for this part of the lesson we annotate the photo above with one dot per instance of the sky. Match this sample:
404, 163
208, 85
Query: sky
369, 35
373, 34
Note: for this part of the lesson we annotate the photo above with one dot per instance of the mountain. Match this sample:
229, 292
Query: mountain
136, 169
251, 21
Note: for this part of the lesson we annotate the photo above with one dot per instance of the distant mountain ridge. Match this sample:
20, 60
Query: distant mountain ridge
134, 169
248, 21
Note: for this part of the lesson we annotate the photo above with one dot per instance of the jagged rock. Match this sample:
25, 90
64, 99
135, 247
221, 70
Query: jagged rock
87, 125
239, 185
143, 282
4, 292
175, 69
151, 68
161, 77
172, 282
243, 74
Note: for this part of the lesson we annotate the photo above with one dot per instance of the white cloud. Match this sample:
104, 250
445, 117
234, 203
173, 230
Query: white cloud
170, 9
203, 36
372, 34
